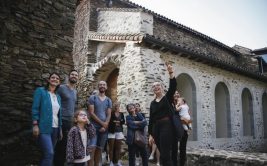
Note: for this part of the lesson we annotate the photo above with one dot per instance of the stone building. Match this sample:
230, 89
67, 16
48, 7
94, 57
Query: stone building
127, 46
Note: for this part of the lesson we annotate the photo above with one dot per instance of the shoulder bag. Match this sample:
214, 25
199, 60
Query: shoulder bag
139, 138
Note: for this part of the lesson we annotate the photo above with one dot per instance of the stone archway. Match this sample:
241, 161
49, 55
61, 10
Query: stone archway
112, 84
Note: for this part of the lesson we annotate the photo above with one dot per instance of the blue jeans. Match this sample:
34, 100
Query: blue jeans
47, 143
100, 139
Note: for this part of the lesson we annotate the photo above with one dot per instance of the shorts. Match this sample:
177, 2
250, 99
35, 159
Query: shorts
99, 140
116, 135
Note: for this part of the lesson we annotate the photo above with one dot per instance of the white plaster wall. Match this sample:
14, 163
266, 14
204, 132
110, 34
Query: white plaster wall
125, 22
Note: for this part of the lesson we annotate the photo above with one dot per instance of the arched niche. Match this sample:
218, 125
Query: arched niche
187, 89
222, 111
247, 112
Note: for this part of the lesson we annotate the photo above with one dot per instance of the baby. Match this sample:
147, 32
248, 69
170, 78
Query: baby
183, 109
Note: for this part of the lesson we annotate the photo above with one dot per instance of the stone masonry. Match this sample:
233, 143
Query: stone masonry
36, 38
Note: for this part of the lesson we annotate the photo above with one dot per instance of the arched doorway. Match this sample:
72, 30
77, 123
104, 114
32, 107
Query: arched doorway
112, 84
187, 89
222, 111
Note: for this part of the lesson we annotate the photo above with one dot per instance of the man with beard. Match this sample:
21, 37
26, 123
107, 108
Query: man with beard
68, 96
99, 107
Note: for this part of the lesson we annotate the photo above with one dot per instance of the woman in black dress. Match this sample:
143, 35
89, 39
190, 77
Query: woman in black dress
160, 128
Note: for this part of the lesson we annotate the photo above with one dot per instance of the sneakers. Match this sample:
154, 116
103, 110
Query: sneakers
151, 157
104, 160
138, 161
158, 164
119, 163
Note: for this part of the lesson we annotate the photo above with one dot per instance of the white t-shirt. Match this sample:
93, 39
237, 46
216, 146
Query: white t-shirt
55, 109
84, 140
184, 112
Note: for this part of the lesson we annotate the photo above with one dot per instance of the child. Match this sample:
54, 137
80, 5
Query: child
78, 147
183, 109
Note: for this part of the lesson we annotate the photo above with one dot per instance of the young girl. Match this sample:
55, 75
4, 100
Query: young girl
135, 121
183, 109
78, 146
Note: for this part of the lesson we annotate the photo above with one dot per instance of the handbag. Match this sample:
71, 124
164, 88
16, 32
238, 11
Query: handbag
139, 138
176, 122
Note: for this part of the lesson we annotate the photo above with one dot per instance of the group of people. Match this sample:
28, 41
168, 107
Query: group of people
78, 136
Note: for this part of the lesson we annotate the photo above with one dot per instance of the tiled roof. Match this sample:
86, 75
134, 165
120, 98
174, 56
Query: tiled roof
121, 9
180, 26
116, 37
175, 48
260, 51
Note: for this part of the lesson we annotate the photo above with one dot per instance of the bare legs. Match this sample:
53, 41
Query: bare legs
95, 157
155, 150
111, 148
117, 152
114, 150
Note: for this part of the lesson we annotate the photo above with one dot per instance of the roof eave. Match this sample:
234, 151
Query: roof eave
192, 54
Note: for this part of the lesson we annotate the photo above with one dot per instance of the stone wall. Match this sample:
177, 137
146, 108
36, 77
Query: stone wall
36, 38
204, 157
189, 40
127, 21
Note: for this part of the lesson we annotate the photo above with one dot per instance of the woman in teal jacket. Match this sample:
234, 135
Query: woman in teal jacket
46, 118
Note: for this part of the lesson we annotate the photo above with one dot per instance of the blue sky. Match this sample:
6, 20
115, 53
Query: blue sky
241, 22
